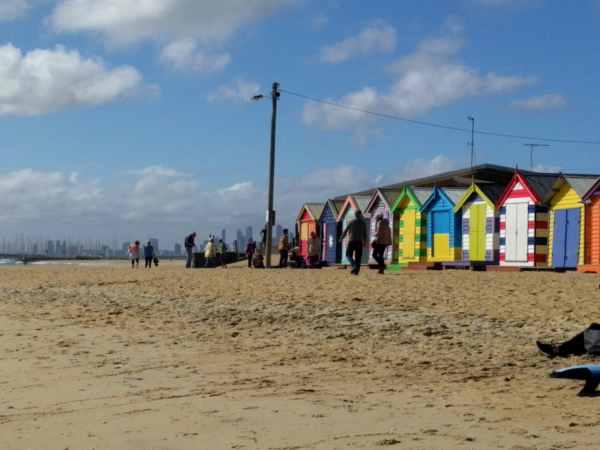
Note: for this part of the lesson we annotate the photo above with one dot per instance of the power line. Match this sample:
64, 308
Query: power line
445, 127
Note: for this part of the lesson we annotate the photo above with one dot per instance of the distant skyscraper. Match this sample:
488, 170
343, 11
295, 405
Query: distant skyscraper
177, 249
50, 248
240, 238
278, 232
34, 249
57, 249
154, 244
223, 235
249, 233
125, 246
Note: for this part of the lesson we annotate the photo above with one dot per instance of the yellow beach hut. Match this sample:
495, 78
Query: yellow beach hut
566, 230
409, 226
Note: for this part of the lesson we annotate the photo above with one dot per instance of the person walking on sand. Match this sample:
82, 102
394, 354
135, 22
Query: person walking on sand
189, 248
149, 254
250, 249
210, 252
383, 238
222, 250
134, 254
357, 235
284, 248
314, 249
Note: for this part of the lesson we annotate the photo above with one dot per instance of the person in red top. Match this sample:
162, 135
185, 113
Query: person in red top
134, 254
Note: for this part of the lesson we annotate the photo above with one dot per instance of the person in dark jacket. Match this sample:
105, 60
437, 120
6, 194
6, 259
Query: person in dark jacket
574, 346
249, 250
149, 254
189, 248
357, 236
383, 238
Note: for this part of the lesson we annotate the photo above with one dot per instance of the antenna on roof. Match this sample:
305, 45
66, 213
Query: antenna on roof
531, 155
472, 119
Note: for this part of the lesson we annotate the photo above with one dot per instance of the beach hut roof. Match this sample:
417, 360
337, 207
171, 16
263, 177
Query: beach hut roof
452, 196
388, 197
314, 209
350, 201
537, 186
591, 190
362, 202
490, 193
580, 184
422, 194
417, 195
334, 206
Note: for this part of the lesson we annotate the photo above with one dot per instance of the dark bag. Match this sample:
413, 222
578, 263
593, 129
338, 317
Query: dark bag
156, 261
591, 339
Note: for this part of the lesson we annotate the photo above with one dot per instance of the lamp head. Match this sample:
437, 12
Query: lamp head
256, 98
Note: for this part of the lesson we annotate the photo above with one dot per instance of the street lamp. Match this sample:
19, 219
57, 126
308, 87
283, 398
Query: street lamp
270, 213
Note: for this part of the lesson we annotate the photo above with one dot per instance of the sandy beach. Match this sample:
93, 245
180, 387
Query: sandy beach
113, 358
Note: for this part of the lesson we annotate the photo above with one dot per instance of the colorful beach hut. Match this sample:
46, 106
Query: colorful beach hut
566, 230
331, 232
524, 220
410, 226
481, 224
444, 226
592, 225
346, 215
307, 221
382, 202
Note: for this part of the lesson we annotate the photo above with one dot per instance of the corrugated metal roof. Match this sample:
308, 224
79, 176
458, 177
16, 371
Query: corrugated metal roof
454, 194
541, 184
391, 196
338, 204
363, 202
422, 194
493, 191
315, 209
581, 184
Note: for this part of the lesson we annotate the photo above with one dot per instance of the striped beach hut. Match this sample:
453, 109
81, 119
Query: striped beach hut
592, 225
331, 232
346, 215
444, 226
382, 202
410, 226
307, 221
481, 223
566, 230
524, 220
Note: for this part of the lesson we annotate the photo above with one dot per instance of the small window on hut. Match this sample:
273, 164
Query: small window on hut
381, 205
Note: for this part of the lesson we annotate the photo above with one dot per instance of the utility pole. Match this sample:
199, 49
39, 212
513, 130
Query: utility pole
531, 155
472, 119
270, 214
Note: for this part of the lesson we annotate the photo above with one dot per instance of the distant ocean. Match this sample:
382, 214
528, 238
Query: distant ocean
17, 262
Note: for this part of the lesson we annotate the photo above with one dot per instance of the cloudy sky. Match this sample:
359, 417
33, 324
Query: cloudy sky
132, 117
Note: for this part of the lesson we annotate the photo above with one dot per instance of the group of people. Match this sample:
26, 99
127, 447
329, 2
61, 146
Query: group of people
149, 255
210, 252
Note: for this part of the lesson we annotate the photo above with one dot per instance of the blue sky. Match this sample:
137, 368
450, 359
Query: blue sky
132, 117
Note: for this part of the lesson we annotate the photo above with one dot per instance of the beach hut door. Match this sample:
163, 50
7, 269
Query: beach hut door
565, 245
477, 233
324, 237
409, 219
516, 231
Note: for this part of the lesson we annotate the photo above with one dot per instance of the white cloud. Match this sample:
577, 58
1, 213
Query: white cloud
319, 21
12, 9
432, 76
544, 102
45, 80
419, 168
162, 201
158, 171
127, 21
546, 169
378, 38
183, 56
238, 90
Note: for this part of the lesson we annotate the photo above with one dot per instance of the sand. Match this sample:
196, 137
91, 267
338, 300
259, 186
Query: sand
111, 358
